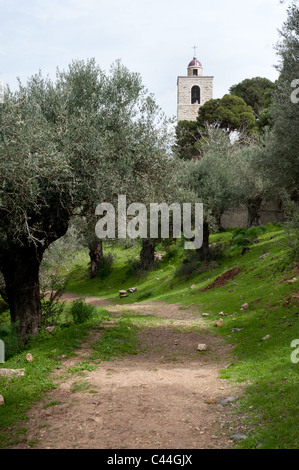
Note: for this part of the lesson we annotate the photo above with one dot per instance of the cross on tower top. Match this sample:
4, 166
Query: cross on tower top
194, 47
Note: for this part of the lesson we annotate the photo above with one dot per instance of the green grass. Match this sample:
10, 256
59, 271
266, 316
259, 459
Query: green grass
20, 392
52, 403
271, 398
82, 366
47, 350
270, 401
117, 340
80, 386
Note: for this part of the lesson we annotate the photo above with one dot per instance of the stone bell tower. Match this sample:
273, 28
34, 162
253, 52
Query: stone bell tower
193, 91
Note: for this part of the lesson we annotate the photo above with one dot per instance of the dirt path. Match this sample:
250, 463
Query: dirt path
157, 399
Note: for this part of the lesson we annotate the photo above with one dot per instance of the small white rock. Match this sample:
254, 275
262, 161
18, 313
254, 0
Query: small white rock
263, 256
202, 347
12, 372
29, 357
50, 329
227, 400
239, 437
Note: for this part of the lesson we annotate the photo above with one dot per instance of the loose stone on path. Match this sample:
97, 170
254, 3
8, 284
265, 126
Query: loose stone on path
12, 373
227, 400
239, 437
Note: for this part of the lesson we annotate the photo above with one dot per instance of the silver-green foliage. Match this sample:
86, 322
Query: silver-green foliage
66, 146
215, 176
282, 155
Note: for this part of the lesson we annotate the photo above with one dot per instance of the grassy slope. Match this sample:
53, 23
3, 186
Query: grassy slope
21, 392
271, 399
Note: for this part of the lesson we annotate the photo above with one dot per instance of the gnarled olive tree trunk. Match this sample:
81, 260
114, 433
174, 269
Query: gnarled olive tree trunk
95, 254
20, 264
20, 269
147, 254
253, 207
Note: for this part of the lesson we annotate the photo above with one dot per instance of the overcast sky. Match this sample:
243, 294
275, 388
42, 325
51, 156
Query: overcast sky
235, 39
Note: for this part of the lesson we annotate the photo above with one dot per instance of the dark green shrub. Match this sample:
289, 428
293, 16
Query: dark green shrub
242, 237
172, 254
81, 312
145, 295
105, 265
255, 231
188, 268
193, 263
135, 267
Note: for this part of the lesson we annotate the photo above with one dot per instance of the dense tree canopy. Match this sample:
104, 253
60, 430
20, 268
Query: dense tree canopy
256, 92
90, 136
230, 113
282, 143
65, 147
214, 179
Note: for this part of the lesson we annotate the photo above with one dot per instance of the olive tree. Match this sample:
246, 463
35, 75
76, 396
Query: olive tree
215, 180
37, 195
65, 147
281, 158
255, 186
256, 92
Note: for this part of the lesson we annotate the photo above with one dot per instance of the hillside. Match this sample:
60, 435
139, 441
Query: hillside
250, 285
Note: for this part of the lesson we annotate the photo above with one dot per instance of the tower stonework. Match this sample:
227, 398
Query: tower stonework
193, 91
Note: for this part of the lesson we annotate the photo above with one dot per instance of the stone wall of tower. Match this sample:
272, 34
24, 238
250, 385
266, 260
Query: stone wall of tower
186, 110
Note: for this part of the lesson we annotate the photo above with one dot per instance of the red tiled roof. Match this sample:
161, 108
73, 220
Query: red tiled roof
195, 63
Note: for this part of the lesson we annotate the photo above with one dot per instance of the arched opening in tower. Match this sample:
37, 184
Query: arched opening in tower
195, 95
